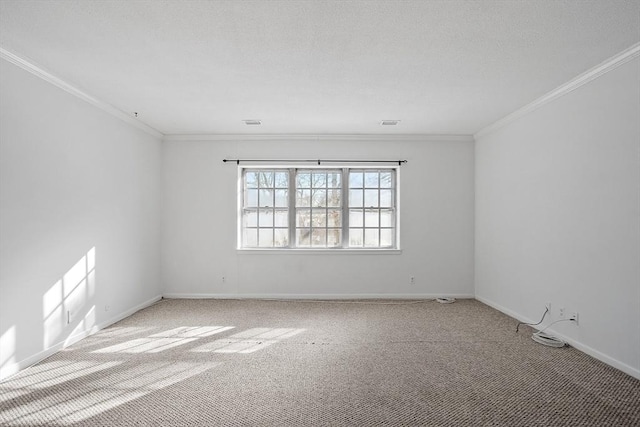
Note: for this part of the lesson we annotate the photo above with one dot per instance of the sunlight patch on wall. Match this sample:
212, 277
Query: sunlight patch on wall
84, 327
248, 341
8, 347
66, 301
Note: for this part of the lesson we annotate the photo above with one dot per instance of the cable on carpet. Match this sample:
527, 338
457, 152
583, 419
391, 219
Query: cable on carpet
546, 310
549, 340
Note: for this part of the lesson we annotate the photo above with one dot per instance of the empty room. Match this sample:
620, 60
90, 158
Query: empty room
320, 213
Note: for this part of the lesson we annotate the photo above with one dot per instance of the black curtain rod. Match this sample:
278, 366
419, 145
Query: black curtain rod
318, 161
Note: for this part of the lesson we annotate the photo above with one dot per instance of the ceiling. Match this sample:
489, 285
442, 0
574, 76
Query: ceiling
318, 67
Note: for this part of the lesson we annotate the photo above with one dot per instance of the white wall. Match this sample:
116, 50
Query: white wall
558, 215
199, 224
79, 217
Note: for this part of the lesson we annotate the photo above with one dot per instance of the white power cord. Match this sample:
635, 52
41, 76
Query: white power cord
547, 339
446, 300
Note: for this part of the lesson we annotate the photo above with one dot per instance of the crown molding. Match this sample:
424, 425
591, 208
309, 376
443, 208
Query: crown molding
318, 137
56, 81
584, 78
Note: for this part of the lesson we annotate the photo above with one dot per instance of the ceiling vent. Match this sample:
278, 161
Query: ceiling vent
252, 122
389, 122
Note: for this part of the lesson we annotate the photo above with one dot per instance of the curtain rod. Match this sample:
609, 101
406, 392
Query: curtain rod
318, 161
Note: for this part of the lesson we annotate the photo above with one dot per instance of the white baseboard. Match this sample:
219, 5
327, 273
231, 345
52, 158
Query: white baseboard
313, 296
14, 367
630, 370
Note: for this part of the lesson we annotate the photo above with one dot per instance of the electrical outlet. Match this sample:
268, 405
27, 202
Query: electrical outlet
68, 316
412, 280
574, 317
224, 279
561, 312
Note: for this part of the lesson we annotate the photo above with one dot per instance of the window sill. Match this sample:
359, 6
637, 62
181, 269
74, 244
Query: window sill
319, 251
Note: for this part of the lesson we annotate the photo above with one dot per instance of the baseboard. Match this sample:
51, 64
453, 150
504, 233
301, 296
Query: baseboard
15, 367
630, 370
313, 296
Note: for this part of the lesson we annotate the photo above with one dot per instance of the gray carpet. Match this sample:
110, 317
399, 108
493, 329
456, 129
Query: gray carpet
236, 363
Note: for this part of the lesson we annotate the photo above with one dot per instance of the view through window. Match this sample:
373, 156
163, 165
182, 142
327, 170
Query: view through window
322, 208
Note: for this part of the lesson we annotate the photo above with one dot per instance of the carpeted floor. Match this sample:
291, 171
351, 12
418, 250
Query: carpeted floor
236, 363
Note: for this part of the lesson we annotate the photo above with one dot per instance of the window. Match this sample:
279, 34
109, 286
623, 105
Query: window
318, 208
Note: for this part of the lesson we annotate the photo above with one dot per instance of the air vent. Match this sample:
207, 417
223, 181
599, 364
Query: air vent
389, 122
252, 122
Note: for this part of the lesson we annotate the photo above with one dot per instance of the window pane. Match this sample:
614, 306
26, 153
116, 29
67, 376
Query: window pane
303, 218
281, 218
371, 198
386, 179
334, 238
303, 180
334, 198
251, 198
355, 198
356, 218
282, 179
370, 238
303, 237
250, 218
386, 218
251, 179
334, 218
386, 237
318, 237
319, 179
250, 238
266, 218
386, 198
281, 237
355, 180
319, 198
266, 198
371, 179
282, 198
333, 180
371, 218
265, 179
355, 237
303, 198
319, 218
265, 237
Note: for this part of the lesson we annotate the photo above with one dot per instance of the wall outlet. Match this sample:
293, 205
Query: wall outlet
68, 316
412, 280
561, 312
574, 317
223, 279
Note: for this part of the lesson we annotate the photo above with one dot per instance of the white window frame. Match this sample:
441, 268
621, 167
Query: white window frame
345, 209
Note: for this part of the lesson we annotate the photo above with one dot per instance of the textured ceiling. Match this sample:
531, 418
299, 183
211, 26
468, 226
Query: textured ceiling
318, 67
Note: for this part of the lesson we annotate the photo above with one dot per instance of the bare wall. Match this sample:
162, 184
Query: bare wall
558, 216
79, 218
199, 223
